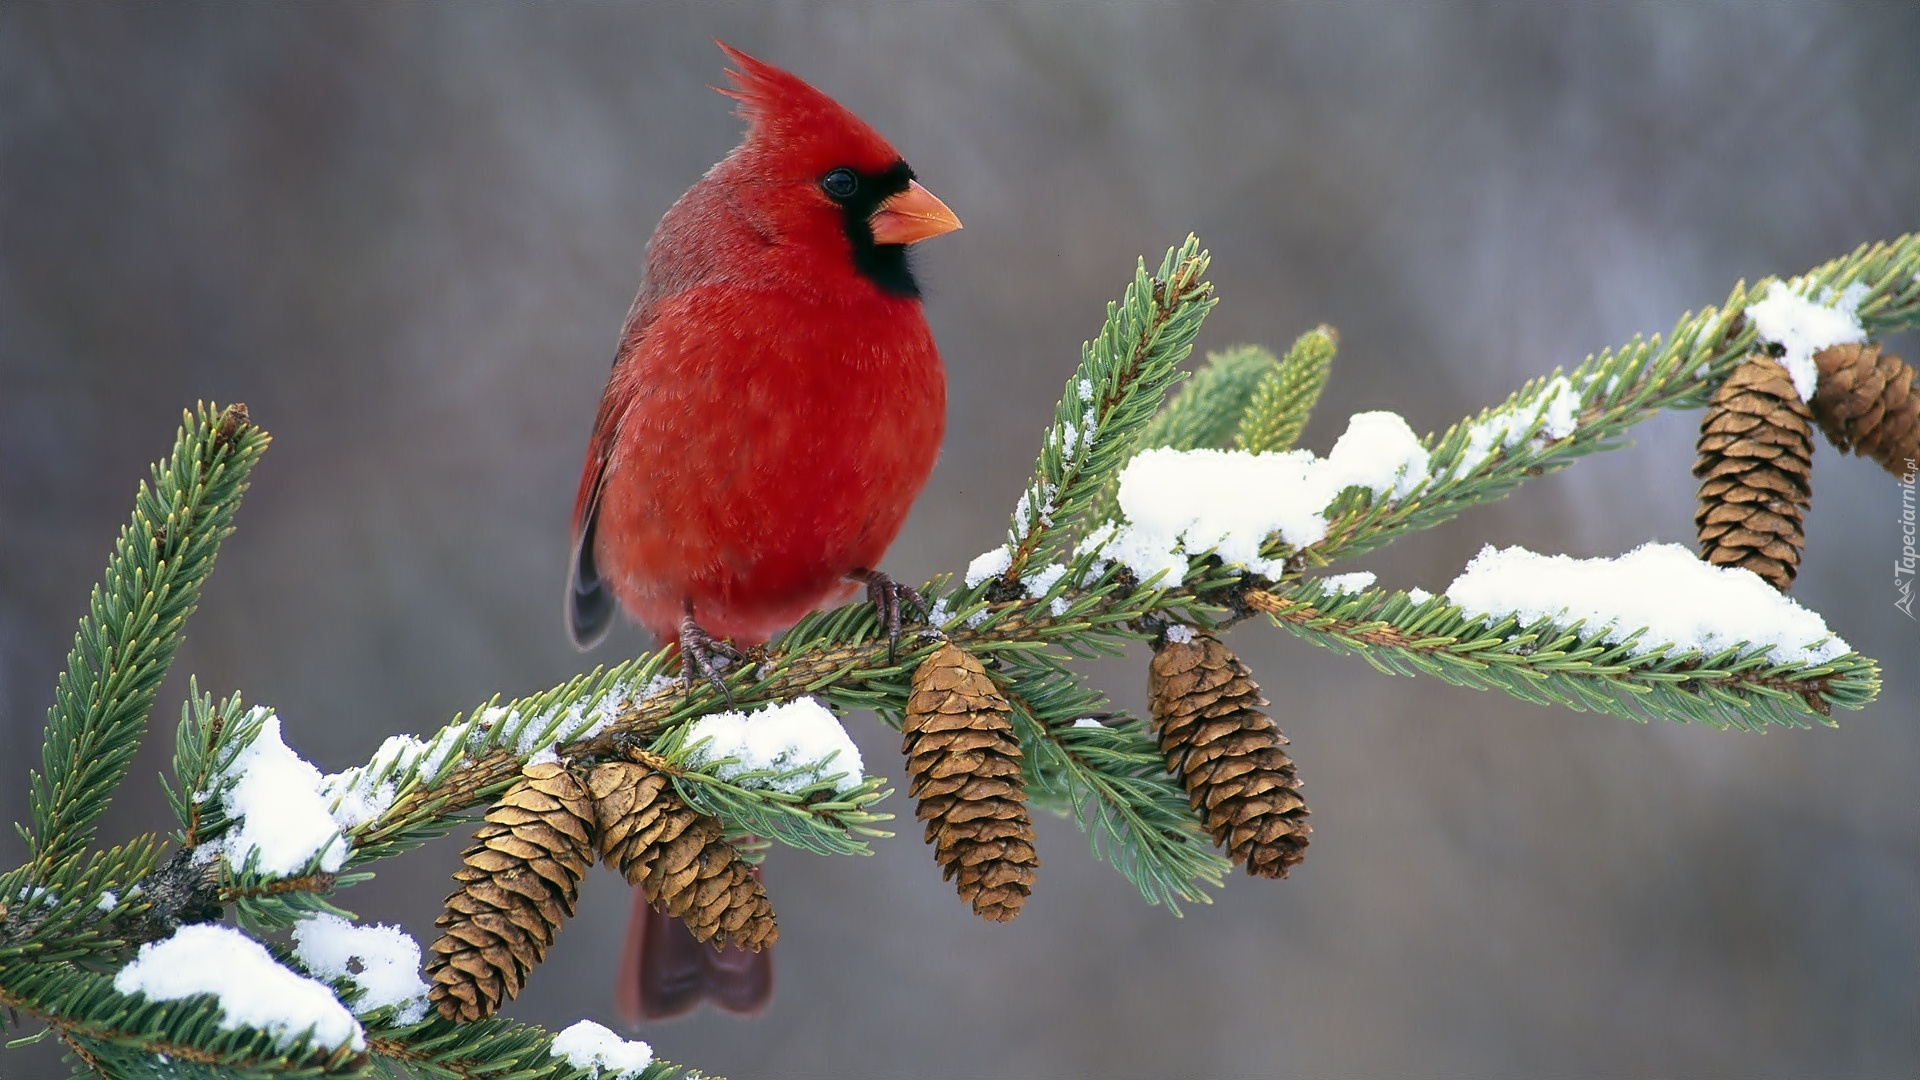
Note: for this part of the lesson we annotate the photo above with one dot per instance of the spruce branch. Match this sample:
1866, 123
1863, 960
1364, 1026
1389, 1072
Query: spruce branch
126, 642
1208, 407
1205, 411
1109, 775
1570, 665
1612, 391
1090, 608
197, 749
119, 1035
1111, 397
816, 816
1279, 405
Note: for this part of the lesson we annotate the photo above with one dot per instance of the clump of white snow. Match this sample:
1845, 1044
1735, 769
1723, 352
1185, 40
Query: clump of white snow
1093, 544
1179, 634
939, 614
799, 735
537, 738
1358, 581
1560, 411
363, 793
388, 962
1088, 721
1555, 407
587, 1045
1803, 328
1661, 588
280, 817
1182, 503
1026, 513
1379, 452
1419, 595
254, 991
1041, 581
988, 564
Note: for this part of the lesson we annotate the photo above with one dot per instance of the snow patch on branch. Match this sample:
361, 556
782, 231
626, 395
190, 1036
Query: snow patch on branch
1183, 503
1803, 327
583, 719
254, 991
1555, 408
1661, 589
1041, 582
988, 564
587, 1045
365, 792
389, 963
281, 819
1379, 452
1358, 581
800, 736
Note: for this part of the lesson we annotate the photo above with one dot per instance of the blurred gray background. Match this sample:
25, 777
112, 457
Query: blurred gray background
406, 236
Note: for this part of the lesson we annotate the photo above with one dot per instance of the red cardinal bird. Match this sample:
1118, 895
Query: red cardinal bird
775, 406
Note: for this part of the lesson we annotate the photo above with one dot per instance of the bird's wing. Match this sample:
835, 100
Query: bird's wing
702, 236
590, 601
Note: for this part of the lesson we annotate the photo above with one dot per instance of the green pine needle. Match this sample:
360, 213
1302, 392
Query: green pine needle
1280, 405
1207, 409
127, 639
1123, 375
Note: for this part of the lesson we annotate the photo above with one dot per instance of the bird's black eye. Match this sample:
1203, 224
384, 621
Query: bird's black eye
840, 184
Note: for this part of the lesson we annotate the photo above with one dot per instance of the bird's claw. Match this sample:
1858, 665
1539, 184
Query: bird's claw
700, 652
890, 598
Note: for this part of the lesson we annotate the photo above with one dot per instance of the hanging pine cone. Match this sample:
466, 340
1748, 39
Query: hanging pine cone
519, 881
1755, 466
1868, 404
1229, 755
965, 764
678, 856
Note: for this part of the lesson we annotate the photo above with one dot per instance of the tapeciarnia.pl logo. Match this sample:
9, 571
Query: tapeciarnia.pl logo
1903, 567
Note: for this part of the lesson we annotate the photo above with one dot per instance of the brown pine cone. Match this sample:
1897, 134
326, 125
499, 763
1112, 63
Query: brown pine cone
965, 764
518, 882
678, 856
1868, 404
1755, 468
1230, 756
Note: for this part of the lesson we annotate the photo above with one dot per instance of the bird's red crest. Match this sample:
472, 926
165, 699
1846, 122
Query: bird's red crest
782, 108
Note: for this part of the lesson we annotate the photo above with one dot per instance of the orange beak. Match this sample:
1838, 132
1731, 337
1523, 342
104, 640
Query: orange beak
911, 216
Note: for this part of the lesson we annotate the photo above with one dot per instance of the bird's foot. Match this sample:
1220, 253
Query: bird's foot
890, 598
701, 653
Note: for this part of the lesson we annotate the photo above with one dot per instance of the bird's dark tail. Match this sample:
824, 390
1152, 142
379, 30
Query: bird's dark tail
665, 973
